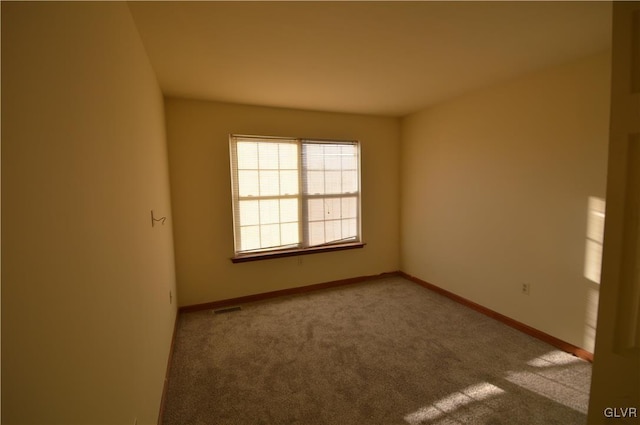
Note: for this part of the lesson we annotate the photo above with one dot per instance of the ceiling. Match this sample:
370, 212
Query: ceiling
382, 58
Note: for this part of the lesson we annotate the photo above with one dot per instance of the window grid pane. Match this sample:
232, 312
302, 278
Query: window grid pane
330, 173
270, 209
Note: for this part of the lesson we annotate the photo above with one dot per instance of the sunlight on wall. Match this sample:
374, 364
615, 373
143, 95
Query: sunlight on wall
591, 319
595, 236
593, 266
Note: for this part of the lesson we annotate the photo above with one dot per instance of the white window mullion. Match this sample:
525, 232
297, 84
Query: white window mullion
324, 201
303, 208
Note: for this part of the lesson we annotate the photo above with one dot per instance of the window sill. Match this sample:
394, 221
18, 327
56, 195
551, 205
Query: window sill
295, 252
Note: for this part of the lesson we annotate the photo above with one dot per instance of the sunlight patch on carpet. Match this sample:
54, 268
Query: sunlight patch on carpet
553, 358
551, 389
453, 402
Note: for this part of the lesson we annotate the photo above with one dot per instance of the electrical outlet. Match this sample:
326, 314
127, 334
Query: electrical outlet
526, 288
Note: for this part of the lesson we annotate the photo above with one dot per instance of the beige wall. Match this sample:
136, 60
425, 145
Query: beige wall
495, 189
86, 318
198, 137
477, 195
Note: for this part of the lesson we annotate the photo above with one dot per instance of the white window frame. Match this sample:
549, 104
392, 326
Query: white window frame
304, 246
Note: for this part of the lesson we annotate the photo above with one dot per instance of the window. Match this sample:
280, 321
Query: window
292, 196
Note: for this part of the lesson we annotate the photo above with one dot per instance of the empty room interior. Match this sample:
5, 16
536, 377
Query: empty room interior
485, 177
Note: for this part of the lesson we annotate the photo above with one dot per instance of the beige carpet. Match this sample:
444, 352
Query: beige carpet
381, 352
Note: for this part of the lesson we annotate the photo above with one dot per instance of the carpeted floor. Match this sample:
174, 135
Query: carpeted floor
381, 352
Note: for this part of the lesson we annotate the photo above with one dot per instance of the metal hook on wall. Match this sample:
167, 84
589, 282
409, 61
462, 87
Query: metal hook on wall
153, 219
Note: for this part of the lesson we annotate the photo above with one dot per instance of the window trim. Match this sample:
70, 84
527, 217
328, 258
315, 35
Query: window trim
281, 253
300, 249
